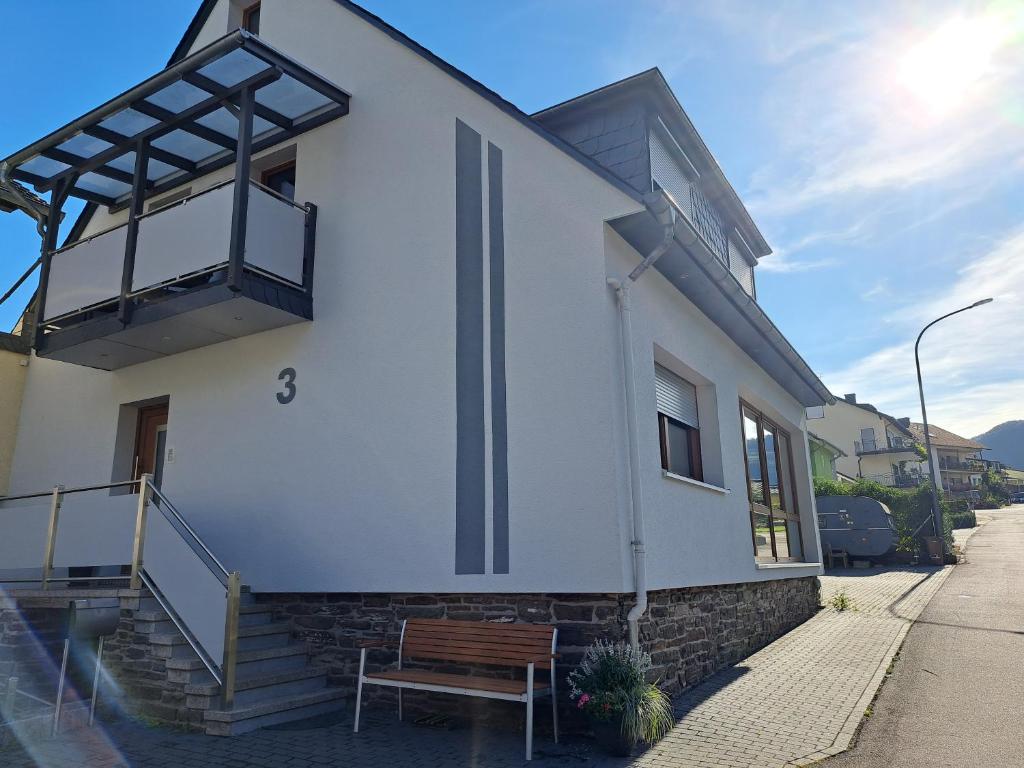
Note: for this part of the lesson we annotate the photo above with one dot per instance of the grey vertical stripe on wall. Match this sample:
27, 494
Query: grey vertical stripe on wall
470, 486
676, 396
666, 171
499, 414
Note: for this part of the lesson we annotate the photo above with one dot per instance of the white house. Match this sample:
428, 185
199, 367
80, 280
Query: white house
392, 347
874, 445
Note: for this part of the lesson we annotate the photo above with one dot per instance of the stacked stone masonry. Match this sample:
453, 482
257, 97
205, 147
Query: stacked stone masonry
690, 632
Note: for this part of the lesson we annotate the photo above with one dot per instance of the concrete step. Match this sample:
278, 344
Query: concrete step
171, 645
250, 664
255, 614
260, 636
273, 711
253, 690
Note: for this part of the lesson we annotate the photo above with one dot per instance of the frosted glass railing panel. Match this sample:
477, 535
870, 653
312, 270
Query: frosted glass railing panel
186, 238
86, 274
23, 527
190, 587
274, 236
95, 529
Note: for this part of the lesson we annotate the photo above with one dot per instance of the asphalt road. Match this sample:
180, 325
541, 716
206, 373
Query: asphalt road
956, 695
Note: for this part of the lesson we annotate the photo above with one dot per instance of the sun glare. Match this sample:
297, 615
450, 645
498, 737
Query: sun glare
942, 69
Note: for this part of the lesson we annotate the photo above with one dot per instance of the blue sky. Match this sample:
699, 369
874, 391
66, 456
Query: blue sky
879, 146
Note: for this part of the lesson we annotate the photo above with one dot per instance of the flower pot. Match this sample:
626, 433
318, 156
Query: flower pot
609, 736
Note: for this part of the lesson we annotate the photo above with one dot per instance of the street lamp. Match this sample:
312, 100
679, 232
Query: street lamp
936, 508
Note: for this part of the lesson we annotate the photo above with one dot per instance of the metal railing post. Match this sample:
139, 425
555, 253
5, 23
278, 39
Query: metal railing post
234, 600
51, 534
145, 493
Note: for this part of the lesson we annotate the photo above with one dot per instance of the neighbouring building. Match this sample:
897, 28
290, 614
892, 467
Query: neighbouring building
874, 445
394, 348
1014, 479
13, 367
823, 457
958, 459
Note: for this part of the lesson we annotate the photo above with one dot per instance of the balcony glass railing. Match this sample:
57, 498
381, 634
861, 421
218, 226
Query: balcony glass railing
185, 240
892, 443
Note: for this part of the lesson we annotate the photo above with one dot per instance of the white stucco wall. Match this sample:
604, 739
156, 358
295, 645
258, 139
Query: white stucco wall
690, 529
13, 368
350, 487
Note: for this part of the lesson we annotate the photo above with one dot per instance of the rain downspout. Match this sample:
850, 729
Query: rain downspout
667, 219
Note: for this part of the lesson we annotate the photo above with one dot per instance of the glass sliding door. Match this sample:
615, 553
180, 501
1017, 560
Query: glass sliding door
775, 519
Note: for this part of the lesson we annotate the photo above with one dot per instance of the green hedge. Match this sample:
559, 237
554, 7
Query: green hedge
965, 519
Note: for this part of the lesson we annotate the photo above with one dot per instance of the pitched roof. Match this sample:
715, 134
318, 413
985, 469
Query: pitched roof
11, 191
652, 83
943, 438
893, 421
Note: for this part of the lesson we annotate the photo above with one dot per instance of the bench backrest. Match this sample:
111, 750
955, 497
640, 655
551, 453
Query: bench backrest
479, 642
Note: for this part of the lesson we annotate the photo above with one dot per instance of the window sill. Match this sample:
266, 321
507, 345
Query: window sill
770, 566
691, 481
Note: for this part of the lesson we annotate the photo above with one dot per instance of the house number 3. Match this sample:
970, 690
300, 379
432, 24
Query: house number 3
288, 377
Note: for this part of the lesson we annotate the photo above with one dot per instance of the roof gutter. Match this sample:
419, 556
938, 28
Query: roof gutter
694, 245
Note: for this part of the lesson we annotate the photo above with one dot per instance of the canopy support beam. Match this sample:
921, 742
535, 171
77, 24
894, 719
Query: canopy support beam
215, 89
57, 200
240, 210
135, 209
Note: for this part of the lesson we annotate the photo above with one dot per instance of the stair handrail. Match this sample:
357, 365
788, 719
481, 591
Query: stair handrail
224, 674
174, 516
66, 491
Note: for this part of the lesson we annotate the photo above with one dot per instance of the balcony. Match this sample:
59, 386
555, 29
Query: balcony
233, 260
892, 444
178, 293
957, 465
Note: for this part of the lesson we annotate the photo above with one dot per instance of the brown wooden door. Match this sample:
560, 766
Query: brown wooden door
148, 441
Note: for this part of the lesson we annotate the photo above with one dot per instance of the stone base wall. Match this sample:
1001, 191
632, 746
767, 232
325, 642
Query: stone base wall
691, 633
144, 685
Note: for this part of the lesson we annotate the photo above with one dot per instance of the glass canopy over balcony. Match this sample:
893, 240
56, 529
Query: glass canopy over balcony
160, 284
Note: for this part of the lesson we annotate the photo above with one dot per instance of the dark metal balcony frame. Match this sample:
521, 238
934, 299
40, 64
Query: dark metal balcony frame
242, 99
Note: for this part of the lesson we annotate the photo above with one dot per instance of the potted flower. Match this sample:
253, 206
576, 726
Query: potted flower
610, 687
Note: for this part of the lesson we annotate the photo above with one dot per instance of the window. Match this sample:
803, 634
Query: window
678, 426
251, 19
774, 517
281, 179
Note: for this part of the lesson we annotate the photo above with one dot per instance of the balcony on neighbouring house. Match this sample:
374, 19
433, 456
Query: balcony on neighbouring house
892, 444
231, 260
961, 465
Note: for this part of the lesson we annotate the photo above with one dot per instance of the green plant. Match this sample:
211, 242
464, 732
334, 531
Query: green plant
611, 681
841, 601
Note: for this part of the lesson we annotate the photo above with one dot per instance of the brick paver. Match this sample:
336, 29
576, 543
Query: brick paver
796, 701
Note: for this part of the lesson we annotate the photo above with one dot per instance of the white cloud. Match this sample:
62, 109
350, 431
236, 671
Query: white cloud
780, 262
973, 366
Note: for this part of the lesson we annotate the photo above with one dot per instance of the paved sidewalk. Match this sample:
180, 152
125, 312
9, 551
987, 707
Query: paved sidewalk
954, 698
798, 700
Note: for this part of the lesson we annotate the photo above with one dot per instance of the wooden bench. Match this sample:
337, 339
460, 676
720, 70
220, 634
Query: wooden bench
524, 646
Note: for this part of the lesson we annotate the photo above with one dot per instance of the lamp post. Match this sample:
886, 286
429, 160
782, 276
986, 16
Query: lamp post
936, 507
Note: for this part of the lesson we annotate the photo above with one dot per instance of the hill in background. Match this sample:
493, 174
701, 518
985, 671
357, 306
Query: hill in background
1007, 443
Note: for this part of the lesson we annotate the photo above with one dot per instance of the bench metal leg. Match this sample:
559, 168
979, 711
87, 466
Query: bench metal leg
529, 711
359, 689
554, 701
399, 704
